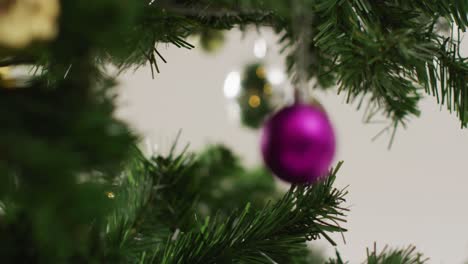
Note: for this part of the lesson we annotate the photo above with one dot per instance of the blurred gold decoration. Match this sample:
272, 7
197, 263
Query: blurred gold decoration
23, 21
4, 72
260, 72
254, 101
6, 81
110, 195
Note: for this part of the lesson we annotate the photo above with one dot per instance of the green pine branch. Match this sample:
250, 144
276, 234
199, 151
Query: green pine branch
272, 233
169, 22
381, 54
407, 255
390, 51
451, 73
454, 10
152, 218
148, 209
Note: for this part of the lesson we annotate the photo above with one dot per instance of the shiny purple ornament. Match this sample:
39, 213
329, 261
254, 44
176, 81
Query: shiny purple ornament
298, 143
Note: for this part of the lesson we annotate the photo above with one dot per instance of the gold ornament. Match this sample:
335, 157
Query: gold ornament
254, 101
23, 21
261, 73
110, 195
6, 81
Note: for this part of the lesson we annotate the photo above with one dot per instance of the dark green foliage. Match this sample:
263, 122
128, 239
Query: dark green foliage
224, 185
167, 207
54, 139
96, 24
64, 197
60, 142
257, 236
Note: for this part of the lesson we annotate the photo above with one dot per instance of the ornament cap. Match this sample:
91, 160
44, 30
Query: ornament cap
312, 101
297, 96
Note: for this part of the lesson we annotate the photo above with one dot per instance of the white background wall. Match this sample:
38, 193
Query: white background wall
416, 193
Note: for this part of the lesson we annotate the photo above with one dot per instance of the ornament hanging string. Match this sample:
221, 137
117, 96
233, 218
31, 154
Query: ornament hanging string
301, 29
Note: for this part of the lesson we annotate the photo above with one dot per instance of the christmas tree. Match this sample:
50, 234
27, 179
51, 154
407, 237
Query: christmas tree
76, 188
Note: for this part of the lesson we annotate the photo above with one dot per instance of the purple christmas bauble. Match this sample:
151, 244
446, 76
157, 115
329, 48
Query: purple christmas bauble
298, 143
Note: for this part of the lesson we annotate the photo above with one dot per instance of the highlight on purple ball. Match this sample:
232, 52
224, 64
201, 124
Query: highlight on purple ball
298, 143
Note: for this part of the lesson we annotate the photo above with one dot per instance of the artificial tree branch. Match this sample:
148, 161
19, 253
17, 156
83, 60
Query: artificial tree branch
15, 61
